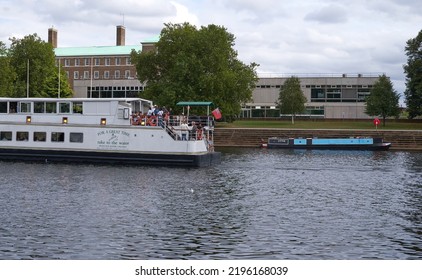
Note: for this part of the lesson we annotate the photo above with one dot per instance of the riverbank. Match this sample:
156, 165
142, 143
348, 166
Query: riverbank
252, 137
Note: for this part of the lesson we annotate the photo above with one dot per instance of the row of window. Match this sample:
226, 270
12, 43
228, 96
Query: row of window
319, 86
337, 93
40, 136
41, 107
96, 61
86, 75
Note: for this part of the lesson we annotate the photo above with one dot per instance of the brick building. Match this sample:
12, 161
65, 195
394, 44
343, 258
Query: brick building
101, 71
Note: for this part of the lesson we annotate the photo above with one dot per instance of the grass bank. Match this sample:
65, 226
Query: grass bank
322, 124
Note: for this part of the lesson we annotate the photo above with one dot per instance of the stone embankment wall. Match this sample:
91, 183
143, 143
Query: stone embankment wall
252, 137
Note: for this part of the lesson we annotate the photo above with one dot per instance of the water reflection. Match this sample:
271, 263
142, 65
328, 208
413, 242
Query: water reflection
268, 204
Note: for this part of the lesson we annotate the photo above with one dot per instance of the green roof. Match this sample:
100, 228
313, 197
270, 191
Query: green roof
154, 39
95, 51
194, 103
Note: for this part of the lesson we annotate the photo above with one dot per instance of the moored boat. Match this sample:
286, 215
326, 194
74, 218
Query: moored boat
355, 143
104, 130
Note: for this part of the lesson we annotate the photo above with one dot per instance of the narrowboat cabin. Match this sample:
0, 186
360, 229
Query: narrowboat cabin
353, 143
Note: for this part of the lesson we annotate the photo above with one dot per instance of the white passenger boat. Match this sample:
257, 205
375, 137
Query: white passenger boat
101, 131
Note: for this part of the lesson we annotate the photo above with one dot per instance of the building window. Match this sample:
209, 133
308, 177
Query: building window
75, 137
86, 75
107, 61
128, 62
106, 74
87, 61
127, 74
75, 75
317, 93
67, 62
77, 61
96, 74
40, 136
117, 60
57, 136
117, 74
97, 61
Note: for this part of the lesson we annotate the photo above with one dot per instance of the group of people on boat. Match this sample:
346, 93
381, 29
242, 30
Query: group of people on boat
155, 116
193, 132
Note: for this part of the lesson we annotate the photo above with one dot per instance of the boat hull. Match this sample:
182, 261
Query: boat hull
371, 144
112, 157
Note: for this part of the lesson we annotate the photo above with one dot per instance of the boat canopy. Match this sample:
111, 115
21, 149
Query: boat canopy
189, 104
194, 103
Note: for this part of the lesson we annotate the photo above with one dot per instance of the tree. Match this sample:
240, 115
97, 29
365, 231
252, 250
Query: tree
52, 85
196, 65
7, 74
38, 56
413, 71
383, 100
291, 99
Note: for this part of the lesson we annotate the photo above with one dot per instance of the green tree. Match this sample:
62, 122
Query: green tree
291, 99
383, 100
37, 56
52, 85
7, 74
413, 71
196, 65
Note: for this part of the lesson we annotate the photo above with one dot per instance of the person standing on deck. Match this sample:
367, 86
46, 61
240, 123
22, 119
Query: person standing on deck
184, 130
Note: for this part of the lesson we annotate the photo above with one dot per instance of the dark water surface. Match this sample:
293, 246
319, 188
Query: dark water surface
258, 204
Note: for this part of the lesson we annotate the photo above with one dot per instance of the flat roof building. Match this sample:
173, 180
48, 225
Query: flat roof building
338, 96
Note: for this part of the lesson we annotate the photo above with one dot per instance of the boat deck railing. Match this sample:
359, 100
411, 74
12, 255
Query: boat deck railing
199, 128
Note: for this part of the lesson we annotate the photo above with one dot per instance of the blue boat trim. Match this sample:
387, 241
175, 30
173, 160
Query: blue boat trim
327, 143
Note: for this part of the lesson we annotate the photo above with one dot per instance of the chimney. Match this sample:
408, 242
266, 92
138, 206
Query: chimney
120, 36
52, 37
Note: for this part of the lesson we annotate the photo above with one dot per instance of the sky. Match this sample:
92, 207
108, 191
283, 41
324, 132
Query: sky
283, 37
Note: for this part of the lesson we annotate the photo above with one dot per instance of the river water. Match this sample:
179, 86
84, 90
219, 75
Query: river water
257, 204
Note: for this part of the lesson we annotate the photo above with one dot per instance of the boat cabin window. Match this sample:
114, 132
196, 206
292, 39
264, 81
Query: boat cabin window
40, 136
39, 107
64, 107
22, 136
5, 135
76, 137
57, 136
13, 107
25, 107
51, 107
77, 108
3, 107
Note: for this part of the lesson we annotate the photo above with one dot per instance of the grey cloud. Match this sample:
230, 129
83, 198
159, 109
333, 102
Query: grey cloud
330, 14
